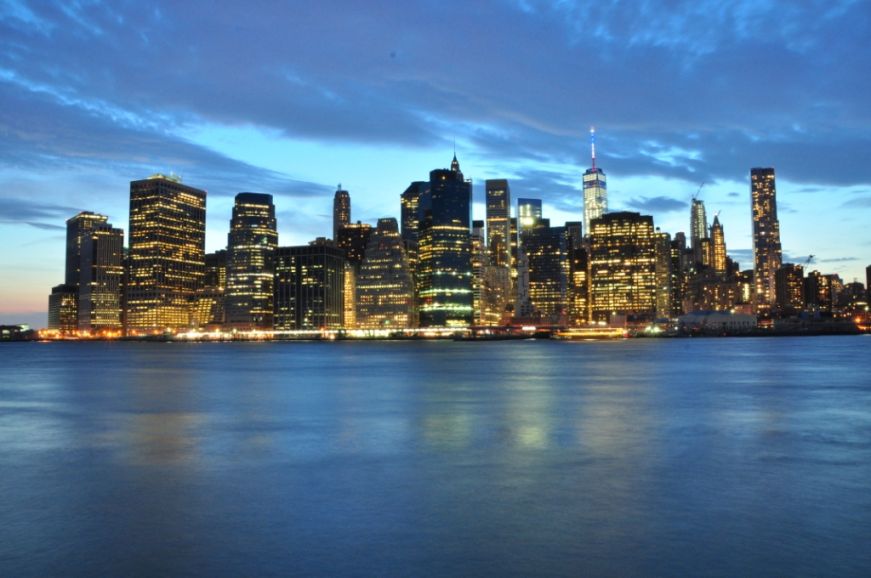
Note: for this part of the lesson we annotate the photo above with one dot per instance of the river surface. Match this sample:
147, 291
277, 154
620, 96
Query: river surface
684, 457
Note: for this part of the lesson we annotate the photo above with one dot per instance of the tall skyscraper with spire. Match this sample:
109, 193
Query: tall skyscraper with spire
341, 210
444, 270
595, 189
767, 255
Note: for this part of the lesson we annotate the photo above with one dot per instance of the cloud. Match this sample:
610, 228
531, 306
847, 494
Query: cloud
34, 213
858, 202
658, 204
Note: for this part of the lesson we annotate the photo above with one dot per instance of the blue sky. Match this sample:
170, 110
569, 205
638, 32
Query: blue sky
292, 98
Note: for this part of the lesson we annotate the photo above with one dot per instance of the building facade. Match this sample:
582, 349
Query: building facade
309, 287
341, 210
385, 289
251, 245
767, 254
166, 257
498, 204
444, 268
623, 267
595, 189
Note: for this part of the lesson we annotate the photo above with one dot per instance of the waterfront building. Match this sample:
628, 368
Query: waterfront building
251, 245
309, 287
623, 267
789, 289
409, 201
766, 238
352, 240
595, 189
545, 250
818, 292
718, 247
167, 248
341, 210
63, 308
498, 221
385, 291
496, 295
444, 269
664, 275
210, 299
579, 285
101, 270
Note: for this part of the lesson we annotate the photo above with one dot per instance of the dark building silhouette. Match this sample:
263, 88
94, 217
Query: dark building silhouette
63, 308
789, 289
309, 285
546, 252
444, 270
352, 240
251, 245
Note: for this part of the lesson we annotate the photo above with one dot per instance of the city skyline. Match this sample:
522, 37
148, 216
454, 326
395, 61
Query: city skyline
79, 124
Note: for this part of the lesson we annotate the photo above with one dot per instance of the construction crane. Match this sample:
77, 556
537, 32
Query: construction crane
699, 190
809, 260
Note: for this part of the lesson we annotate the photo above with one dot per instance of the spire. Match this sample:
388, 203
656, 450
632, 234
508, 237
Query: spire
593, 145
455, 164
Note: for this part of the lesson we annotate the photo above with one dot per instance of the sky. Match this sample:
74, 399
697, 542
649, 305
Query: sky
293, 98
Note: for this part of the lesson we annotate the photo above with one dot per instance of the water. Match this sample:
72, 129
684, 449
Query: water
693, 457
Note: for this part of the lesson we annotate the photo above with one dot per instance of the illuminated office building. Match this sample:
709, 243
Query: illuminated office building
444, 270
251, 245
309, 287
766, 238
341, 210
579, 285
100, 274
385, 291
63, 308
664, 275
78, 228
698, 230
479, 260
595, 189
498, 221
718, 247
528, 213
819, 292
623, 267
789, 287
167, 247
545, 250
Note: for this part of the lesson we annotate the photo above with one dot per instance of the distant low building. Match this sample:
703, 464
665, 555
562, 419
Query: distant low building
717, 322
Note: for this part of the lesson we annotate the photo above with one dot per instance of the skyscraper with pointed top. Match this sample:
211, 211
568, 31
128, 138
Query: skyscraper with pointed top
444, 270
595, 188
718, 243
341, 210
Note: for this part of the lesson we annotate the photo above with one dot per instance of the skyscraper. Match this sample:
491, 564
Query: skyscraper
698, 228
498, 221
595, 189
664, 275
100, 274
789, 283
93, 273
718, 247
766, 238
444, 270
528, 213
251, 245
545, 250
341, 210
352, 240
167, 247
309, 284
623, 266
385, 292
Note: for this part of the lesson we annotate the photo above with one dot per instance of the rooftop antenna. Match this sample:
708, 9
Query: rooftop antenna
593, 145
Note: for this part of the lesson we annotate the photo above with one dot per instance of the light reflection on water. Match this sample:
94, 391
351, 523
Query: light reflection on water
684, 457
